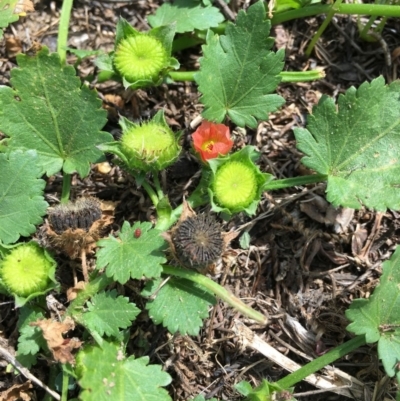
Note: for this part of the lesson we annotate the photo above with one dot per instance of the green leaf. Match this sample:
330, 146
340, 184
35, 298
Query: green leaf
130, 256
50, 111
265, 391
7, 13
238, 72
107, 313
179, 304
22, 204
107, 375
31, 339
357, 145
188, 15
378, 317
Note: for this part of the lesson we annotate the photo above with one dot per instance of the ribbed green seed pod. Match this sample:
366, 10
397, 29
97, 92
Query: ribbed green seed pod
235, 185
25, 270
140, 58
150, 146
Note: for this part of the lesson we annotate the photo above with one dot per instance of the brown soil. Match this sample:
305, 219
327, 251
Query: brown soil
302, 265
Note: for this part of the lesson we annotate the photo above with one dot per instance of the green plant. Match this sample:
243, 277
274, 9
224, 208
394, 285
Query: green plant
53, 124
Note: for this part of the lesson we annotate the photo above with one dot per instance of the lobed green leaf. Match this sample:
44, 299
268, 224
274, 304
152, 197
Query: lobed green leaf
106, 313
179, 304
188, 15
105, 374
238, 71
357, 145
22, 203
49, 110
131, 257
378, 317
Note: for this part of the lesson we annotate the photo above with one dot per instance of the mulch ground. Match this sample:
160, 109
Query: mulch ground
306, 262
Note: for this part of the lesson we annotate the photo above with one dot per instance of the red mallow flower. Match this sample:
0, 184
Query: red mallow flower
211, 140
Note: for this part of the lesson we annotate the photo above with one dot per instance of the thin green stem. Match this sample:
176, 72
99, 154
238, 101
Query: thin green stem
65, 383
323, 26
62, 39
66, 188
157, 184
301, 76
219, 291
322, 361
51, 382
287, 76
150, 191
348, 9
296, 181
367, 26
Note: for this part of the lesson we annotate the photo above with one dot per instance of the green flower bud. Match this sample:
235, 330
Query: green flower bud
151, 146
140, 58
27, 270
237, 183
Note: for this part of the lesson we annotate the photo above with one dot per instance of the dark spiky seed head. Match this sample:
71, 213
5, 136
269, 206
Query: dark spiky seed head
198, 241
79, 214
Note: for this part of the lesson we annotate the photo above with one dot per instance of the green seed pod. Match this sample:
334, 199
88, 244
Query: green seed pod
140, 58
237, 183
27, 270
151, 146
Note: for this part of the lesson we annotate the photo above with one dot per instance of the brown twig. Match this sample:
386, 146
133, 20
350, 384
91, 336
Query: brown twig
24, 371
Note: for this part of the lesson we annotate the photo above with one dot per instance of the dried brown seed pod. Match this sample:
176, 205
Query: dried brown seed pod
80, 214
76, 226
197, 241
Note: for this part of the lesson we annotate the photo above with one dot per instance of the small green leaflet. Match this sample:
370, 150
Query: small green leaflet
188, 15
379, 316
50, 111
239, 72
30, 340
264, 391
22, 203
357, 145
179, 304
107, 313
130, 256
7, 15
107, 375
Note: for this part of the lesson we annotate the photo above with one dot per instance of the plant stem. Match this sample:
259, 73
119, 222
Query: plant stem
322, 361
65, 383
301, 76
66, 188
62, 39
150, 191
322, 28
296, 181
348, 9
157, 184
219, 291
287, 76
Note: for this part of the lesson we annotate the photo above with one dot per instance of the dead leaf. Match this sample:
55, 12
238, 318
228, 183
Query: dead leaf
23, 6
13, 46
17, 392
60, 347
73, 292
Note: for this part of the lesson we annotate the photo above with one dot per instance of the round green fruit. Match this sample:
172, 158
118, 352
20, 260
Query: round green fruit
26, 269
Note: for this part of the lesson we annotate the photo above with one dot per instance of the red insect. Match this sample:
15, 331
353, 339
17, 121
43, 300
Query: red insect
137, 233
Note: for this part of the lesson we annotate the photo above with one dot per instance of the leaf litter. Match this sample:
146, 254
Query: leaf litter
296, 263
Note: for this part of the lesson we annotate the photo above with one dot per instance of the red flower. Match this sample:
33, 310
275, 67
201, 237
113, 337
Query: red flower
211, 140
